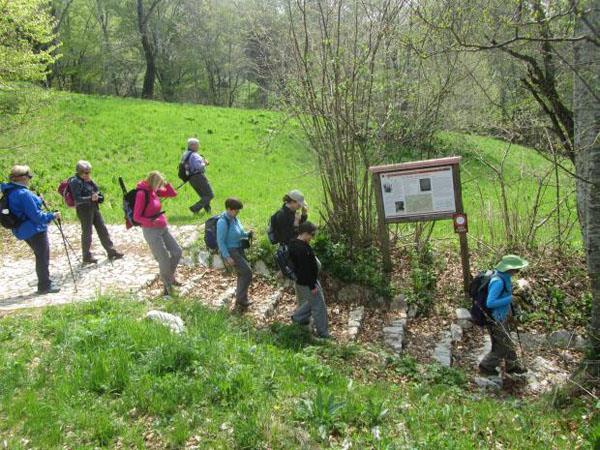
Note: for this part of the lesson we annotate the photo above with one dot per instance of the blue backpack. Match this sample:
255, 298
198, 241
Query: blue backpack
210, 231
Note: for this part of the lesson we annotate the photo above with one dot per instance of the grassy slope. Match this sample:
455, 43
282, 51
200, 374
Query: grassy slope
94, 375
249, 157
254, 155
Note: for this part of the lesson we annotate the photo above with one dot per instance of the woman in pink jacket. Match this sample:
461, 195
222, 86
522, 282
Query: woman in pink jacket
154, 225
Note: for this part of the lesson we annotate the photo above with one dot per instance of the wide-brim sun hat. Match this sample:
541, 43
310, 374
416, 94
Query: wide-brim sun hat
297, 196
511, 262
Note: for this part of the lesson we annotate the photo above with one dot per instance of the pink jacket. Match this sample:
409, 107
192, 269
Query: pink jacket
146, 213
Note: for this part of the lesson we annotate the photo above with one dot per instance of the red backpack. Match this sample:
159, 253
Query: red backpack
65, 191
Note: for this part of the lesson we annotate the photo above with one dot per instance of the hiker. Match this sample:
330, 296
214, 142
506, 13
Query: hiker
499, 301
196, 167
87, 199
308, 289
232, 241
285, 222
33, 229
147, 212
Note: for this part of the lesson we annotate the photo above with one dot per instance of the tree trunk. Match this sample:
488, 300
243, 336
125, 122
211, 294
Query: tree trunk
150, 75
587, 159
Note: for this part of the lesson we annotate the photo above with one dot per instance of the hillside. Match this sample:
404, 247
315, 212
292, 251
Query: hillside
256, 156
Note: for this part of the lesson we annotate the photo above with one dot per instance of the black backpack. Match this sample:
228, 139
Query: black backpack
210, 232
283, 261
129, 203
7, 218
182, 171
271, 230
481, 315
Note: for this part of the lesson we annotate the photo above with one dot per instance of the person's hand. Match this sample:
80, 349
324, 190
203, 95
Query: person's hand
304, 210
230, 261
94, 197
314, 291
57, 215
251, 234
206, 162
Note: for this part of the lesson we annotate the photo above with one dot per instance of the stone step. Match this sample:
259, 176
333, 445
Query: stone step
355, 319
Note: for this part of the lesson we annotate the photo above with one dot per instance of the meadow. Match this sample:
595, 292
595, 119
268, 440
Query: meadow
258, 156
94, 375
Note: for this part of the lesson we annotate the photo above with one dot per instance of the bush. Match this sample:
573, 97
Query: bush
361, 266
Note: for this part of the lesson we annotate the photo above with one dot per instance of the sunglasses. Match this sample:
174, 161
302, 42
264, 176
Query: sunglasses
86, 172
28, 175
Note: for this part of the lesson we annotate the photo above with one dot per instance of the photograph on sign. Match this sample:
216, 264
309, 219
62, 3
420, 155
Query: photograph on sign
418, 192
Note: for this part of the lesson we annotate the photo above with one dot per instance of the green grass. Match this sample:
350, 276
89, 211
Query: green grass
95, 375
254, 155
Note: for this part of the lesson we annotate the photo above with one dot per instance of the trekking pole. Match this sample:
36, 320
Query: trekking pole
64, 239
512, 309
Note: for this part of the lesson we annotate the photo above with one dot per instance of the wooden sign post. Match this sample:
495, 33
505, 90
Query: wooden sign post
421, 191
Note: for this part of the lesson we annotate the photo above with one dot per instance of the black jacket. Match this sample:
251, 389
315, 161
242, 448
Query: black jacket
305, 263
82, 191
283, 225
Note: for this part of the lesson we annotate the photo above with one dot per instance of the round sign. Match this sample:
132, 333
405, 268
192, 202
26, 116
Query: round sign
460, 220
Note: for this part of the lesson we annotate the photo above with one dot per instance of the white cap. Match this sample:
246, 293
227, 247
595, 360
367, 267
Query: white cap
192, 141
297, 196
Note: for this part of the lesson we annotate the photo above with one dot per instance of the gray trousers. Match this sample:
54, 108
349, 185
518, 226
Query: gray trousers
202, 187
244, 275
165, 250
503, 348
41, 249
311, 305
89, 216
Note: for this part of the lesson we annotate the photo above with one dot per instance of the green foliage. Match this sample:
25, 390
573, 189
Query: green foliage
359, 265
26, 34
423, 274
94, 375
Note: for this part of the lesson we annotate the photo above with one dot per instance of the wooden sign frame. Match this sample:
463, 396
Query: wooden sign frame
414, 167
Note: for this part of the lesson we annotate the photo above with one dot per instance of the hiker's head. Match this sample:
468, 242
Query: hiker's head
83, 169
155, 180
295, 200
511, 264
233, 206
193, 144
306, 231
20, 174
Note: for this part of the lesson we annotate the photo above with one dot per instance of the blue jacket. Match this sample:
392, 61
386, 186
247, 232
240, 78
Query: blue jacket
499, 296
27, 207
229, 233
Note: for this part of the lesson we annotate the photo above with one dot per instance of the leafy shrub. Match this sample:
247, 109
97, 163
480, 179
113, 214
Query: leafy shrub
362, 266
424, 279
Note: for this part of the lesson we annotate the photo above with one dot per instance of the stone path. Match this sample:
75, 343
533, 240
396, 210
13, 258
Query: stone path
130, 274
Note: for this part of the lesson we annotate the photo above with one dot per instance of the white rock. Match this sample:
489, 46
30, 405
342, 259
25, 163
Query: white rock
486, 348
488, 383
225, 299
217, 262
204, 258
443, 350
355, 317
456, 332
169, 320
463, 317
261, 268
523, 284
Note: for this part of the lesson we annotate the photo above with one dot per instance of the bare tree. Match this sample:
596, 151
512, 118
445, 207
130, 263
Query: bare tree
143, 16
329, 84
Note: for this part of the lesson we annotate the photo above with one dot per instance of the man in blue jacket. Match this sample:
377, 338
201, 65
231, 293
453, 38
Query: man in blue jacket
33, 227
499, 302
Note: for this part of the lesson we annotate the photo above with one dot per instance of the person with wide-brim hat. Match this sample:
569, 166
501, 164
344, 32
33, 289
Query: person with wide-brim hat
499, 301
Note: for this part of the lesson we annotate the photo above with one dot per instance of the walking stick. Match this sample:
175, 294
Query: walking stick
64, 239
512, 309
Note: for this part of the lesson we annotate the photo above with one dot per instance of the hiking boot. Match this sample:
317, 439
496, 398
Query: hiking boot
52, 289
488, 372
207, 209
243, 305
518, 370
193, 210
115, 255
89, 260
